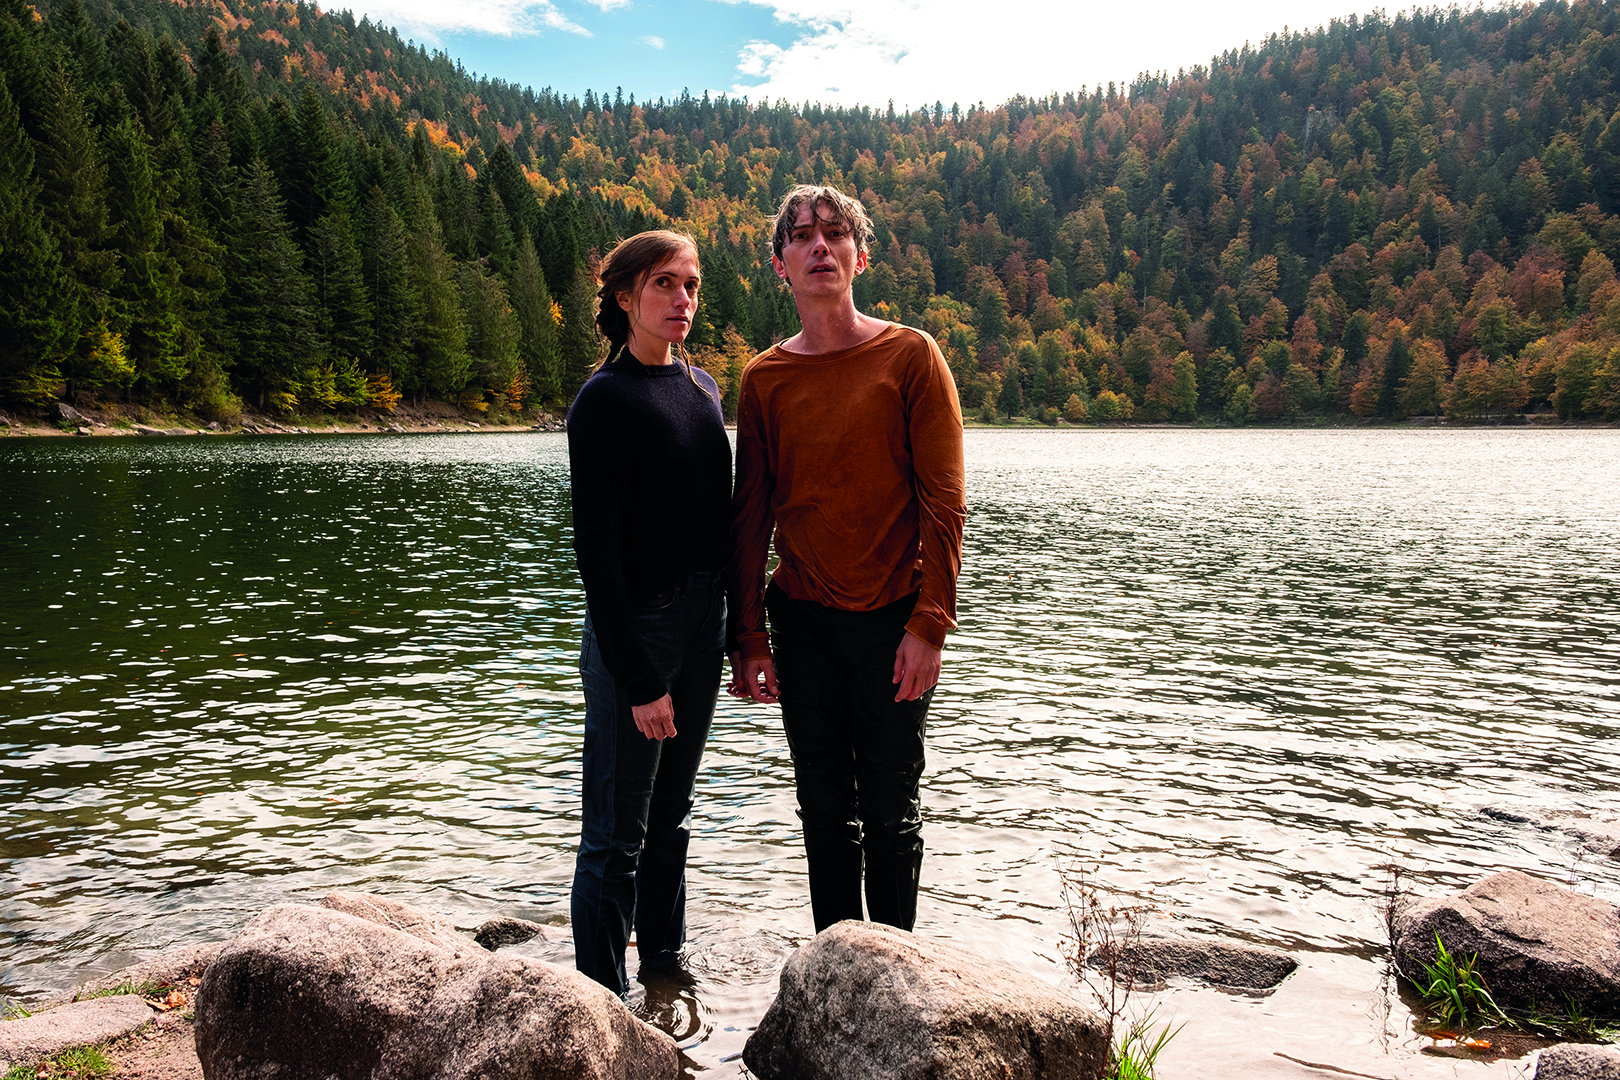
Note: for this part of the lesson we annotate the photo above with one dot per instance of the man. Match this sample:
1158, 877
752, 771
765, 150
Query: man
849, 446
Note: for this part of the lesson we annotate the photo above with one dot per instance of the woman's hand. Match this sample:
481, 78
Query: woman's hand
656, 719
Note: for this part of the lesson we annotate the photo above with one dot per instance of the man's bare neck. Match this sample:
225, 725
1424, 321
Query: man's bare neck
830, 330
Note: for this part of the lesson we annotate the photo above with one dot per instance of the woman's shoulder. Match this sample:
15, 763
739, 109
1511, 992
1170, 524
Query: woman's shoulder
704, 379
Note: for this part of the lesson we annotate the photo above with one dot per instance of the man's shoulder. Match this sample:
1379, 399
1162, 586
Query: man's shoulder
912, 340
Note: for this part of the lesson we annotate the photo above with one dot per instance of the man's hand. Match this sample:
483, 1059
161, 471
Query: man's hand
656, 719
746, 683
916, 667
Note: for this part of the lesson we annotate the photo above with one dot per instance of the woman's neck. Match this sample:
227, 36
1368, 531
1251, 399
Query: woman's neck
648, 353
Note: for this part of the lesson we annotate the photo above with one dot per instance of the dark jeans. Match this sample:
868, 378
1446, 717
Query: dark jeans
637, 792
857, 755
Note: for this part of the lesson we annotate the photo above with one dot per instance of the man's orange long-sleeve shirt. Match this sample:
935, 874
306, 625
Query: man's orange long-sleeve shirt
855, 458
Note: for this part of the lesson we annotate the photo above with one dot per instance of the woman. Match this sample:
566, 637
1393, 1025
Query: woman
650, 470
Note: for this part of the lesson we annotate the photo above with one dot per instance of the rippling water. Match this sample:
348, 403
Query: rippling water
1234, 672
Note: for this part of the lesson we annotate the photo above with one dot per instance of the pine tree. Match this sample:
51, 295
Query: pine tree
148, 288
33, 289
442, 363
537, 343
75, 201
395, 311
578, 342
494, 240
340, 288
493, 329
317, 182
273, 306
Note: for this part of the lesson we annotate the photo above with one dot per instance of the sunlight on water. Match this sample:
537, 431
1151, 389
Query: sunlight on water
1238, 672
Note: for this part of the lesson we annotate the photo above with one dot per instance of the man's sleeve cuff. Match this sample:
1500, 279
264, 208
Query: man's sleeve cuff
755, 645
929, 629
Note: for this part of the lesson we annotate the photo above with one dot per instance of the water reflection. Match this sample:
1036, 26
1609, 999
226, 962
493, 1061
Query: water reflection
1238, 671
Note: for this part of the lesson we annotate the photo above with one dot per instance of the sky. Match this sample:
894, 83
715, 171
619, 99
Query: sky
840, 52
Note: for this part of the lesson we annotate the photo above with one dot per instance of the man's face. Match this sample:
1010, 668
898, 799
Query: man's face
820, 256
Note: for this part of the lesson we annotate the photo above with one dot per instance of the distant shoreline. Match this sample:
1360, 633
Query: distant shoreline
433, 417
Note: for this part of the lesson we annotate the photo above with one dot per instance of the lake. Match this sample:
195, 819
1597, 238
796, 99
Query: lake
1234, 674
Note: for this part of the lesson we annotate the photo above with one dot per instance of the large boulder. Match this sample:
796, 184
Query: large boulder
863, 1000
1540, 946
1576, 1061
381, 992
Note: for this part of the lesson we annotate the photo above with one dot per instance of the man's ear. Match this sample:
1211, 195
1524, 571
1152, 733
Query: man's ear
861, 262
781, 270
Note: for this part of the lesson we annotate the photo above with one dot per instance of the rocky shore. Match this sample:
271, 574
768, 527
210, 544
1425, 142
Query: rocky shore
360, 986
63, 419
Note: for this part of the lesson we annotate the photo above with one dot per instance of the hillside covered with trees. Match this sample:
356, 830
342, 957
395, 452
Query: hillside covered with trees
212, 203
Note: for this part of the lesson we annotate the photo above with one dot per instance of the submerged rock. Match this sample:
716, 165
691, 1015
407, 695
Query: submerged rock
1540, 946
327, 993
1575, 1061
493, 933
1596, 833
1149, 961
863, 1000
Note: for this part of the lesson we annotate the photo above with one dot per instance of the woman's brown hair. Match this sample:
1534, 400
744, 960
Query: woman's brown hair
624, 270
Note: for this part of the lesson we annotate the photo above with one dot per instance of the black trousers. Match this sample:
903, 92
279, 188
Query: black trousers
857, 755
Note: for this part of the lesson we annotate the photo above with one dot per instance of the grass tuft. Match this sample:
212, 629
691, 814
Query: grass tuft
77, 1063
141, 989
1456, 993
1137, 1053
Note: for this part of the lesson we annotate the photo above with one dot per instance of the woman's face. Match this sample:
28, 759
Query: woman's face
661, 309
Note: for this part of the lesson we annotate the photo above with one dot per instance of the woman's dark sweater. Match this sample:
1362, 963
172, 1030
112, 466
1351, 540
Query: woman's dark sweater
650, 470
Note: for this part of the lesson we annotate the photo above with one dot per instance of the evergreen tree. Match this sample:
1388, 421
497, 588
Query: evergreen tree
273, 307
148, 288
442, 363
36, 291
396, 313
494, 241
537, 344
75, 201
578, 342
316, 181
340, 288
1397, 365
493, 329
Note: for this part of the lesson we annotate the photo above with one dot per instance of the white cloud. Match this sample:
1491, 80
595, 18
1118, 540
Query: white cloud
651, 39
606, 6
918, 51
425, 20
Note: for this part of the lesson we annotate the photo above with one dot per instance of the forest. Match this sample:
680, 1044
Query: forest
219, 205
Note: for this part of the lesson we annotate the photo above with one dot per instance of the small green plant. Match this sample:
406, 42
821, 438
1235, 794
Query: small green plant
1456, 993
1137, 1054
77, 1063
15, 1010
142, 989
1575, 1023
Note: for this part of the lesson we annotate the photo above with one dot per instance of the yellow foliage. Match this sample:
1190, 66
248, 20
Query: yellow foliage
380, 392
